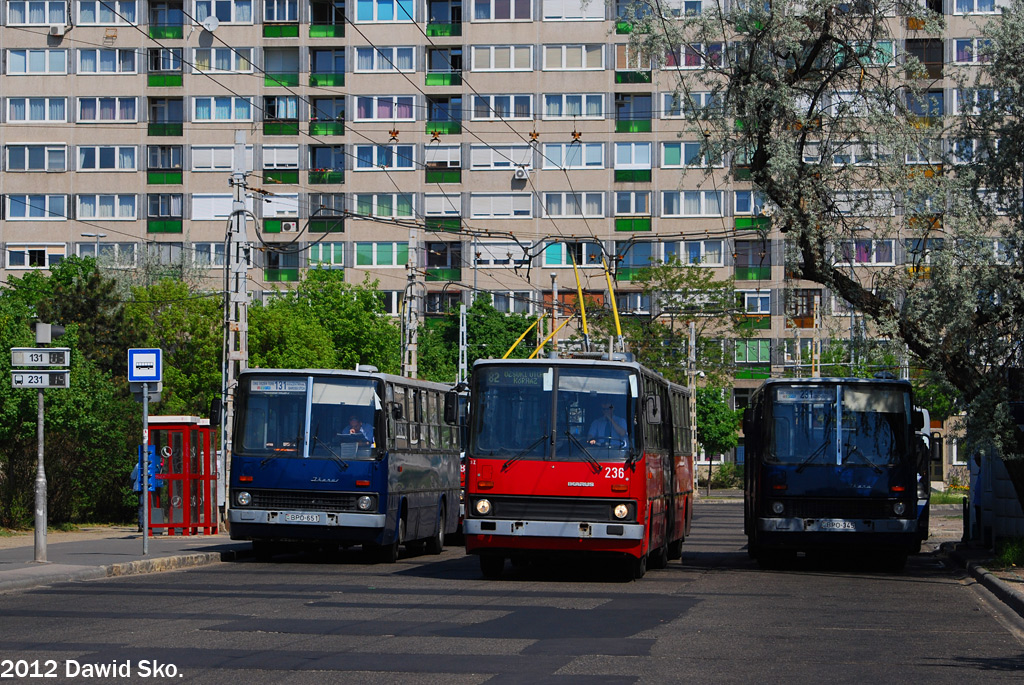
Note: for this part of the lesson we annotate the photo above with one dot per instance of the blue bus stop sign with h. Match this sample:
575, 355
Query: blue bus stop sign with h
145, 365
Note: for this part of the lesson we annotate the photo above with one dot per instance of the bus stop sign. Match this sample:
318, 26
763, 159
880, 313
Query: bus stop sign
145, 365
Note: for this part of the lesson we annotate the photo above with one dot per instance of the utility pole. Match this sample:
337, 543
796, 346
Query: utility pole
554, 315
236, 305
463, 343
692, 368
411, 320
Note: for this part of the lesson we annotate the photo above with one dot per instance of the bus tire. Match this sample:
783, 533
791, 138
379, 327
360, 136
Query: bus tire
492, 565
636, 568
435, 543
389, 553
263, 550
675, 549
658, 558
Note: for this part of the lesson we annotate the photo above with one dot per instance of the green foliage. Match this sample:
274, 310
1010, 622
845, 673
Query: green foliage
717, 425
285, 335
726, 476
1010, 552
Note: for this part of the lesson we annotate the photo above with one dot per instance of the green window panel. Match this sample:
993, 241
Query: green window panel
280, 30
444, 176
281, 275
279, 176
623, 28
443, 79
633, 224
753, 372
163, 178
325, 177
632, 175
162, 32
441, 274
164, 80
336, 225
449, 127
756, 322
280, 128
156, 129
753, 273
327, 79
753, 223
633, 126
164, 226
444, 29
632, 77
327, 128
281, 80
626, 273
741, 173
327, 31
433, 223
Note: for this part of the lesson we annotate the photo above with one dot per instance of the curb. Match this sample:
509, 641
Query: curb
1007, 595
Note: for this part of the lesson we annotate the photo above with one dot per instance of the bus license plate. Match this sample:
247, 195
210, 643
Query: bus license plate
837, 525
302, 518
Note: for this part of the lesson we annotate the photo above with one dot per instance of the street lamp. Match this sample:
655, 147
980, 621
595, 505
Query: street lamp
97, 236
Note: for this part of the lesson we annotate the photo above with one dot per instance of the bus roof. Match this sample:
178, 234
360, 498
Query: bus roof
350, 373
584, 363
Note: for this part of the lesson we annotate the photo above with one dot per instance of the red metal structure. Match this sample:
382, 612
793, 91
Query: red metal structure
577, 456
185, 499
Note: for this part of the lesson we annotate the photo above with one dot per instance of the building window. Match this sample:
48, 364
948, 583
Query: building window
512, 301
482, 157
116, 255
327, 157
327, 109
37, 12
573, 57
96, 110
976, 6
502, 57
635, 254
164, 206
584, 254
165, 254
384, 10
574, 106
755, 301
699, 104
35, 256
163, 60
441, 204
385, 205
444, 254
106, 158
489, 107
502, 10
226, 11
374, 59
218, 157
695, 56
105, 12
36, 110
106, 61
573, 155
501, 255
164, 157
281, 205
37, 158
972, 50
383, 157
210, 206
385, 108
326, 204
501, 205
280, 156
222, 60
682, 155
36, 62
570, 205
327, 12
442, 156
696, 252
280, 11
748, 202
753, 351
632, 155
208, 255
382, 254
108, 207
223, 109
327, 255
867, 251
633, 203
573, 10
683, 203
330, 61
37, 207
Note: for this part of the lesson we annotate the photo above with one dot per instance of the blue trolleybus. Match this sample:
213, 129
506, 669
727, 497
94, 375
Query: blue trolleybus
343, 458
834, 464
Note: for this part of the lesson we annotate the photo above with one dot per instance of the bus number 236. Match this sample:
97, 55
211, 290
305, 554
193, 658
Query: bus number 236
614, 472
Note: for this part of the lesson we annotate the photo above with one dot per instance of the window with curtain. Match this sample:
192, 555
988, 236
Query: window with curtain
35, 110
106, 207
106, 109
164, 205
26, 62
106, 158
502, 10
36, 158
386, 205
574, 204
692, 203
385, 108
385, 10
280, 11
208, 255
37, 12
223, 109
106, 12
38, 207
327, 255
574, 106
370, 59
226, 11
633, 254
377, 157
382, 254
502, 57
632, 155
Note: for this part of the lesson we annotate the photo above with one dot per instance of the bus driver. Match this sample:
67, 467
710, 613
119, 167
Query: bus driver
607, 427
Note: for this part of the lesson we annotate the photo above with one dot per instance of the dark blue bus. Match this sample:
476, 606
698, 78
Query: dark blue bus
342, 458
834, 464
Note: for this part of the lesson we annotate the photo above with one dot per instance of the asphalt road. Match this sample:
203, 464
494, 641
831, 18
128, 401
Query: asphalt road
715, 617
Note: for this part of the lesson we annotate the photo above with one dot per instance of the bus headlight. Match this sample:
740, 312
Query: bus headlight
243, 499
778, 508
364, 503
621, 511
899, 508
483, 507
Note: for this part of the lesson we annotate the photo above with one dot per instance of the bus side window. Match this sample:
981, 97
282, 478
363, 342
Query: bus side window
401, 424
413, 410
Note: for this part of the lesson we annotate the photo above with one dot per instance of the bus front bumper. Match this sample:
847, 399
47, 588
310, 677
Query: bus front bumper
834, 525
306, 518
554, 529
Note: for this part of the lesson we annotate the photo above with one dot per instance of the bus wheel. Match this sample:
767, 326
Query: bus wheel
435, 543
658, 558
636, 568
675, 549
491, 565
263, 550
389, 553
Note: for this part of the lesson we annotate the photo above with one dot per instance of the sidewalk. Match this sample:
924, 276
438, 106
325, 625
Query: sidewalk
101, 552
1006, 585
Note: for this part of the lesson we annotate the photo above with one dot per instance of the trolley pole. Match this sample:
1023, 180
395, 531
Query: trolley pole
554, 315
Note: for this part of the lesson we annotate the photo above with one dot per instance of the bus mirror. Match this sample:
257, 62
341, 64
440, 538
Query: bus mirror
917, 419
396, 411
451, 407
652, 409
215, 408
936, 445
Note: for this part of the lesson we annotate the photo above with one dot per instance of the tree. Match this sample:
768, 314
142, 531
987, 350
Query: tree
809, 103
717, 425
284, 334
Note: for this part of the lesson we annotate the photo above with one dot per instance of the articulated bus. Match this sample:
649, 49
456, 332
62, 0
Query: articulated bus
834, 464
585, 456
343, 458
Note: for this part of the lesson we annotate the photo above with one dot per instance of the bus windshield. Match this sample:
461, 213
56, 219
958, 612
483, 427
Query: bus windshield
839, 425
556, 412
300, 416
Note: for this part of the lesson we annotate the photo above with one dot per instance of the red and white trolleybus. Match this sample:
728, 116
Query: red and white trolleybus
577, 456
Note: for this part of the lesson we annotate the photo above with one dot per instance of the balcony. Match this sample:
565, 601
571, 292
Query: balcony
155, 178
443, 78
442, 274
755, 322
741, 173
623, 28
164, 80
280, 30
156, 128
442, 127
281, 275
325, 177
753, 371
281, 80
332, 225
632, 224
444, 176
442, 30
753, 273
632, 175
327, 79
632, 77
753, 223
164, 225
281, 176
802, 321
627, 273
445, 224
633, 126
280, 128
166, 32
327, 128
326, 30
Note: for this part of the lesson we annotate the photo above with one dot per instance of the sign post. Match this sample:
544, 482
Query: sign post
145, 366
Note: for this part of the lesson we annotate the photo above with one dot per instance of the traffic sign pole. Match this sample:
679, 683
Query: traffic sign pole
145, 365
145, 469
40, 521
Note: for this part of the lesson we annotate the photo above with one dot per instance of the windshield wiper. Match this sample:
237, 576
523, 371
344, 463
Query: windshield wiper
594, 463
522, 453
850, 449
813, 455
334, 455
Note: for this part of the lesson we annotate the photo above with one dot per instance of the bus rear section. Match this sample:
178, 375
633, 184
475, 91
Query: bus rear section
832, 464
317, 459
562, 459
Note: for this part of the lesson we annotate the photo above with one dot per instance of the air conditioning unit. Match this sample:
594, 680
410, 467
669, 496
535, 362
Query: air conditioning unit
521, 174
57, 29
289, 226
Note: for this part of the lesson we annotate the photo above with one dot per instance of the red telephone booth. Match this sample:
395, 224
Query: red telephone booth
185, 499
